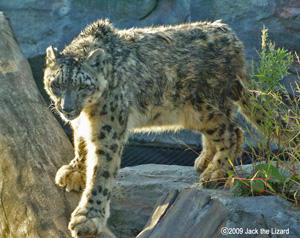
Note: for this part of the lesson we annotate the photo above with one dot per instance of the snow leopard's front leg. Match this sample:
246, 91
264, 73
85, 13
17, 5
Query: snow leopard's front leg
72, 176
103, 163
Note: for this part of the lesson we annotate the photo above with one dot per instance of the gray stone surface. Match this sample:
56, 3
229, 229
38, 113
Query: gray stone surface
40, 23
190, 208
139, 187
247, 19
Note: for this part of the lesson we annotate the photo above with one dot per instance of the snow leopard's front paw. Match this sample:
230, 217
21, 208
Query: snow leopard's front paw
86, 223
70, 178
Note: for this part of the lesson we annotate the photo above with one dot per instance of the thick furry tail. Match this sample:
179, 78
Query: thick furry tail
285, 134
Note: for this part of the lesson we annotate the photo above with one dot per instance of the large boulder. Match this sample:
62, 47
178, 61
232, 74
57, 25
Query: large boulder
32, 147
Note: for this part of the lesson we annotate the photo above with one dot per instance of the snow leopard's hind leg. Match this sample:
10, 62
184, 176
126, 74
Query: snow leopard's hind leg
223, 140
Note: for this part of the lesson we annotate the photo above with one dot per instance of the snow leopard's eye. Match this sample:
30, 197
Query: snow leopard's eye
83, 86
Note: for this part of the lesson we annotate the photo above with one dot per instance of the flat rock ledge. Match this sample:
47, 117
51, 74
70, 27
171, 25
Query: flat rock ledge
139, 187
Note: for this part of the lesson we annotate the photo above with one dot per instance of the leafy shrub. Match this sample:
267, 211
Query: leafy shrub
275, 173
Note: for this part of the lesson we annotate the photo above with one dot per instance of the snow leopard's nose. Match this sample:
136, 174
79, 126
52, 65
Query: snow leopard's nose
68, 108
68, 103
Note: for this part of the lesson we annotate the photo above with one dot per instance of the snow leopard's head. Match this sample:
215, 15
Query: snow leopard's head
74, 83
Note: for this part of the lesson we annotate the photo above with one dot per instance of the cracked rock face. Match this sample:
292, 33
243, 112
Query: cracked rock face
38, 24
58, 22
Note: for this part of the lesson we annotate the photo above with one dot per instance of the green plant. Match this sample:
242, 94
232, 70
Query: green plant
265, 82
266, 180
273, 174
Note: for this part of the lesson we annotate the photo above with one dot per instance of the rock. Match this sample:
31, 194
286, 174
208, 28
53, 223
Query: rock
262, 213
138, 189
56, 23
248, 18
190, 213
32, 147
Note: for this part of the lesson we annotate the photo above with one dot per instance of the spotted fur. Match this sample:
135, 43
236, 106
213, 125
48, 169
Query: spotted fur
108, 82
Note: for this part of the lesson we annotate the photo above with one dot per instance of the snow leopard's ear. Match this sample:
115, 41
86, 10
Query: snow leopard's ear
51, 55
95, 57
